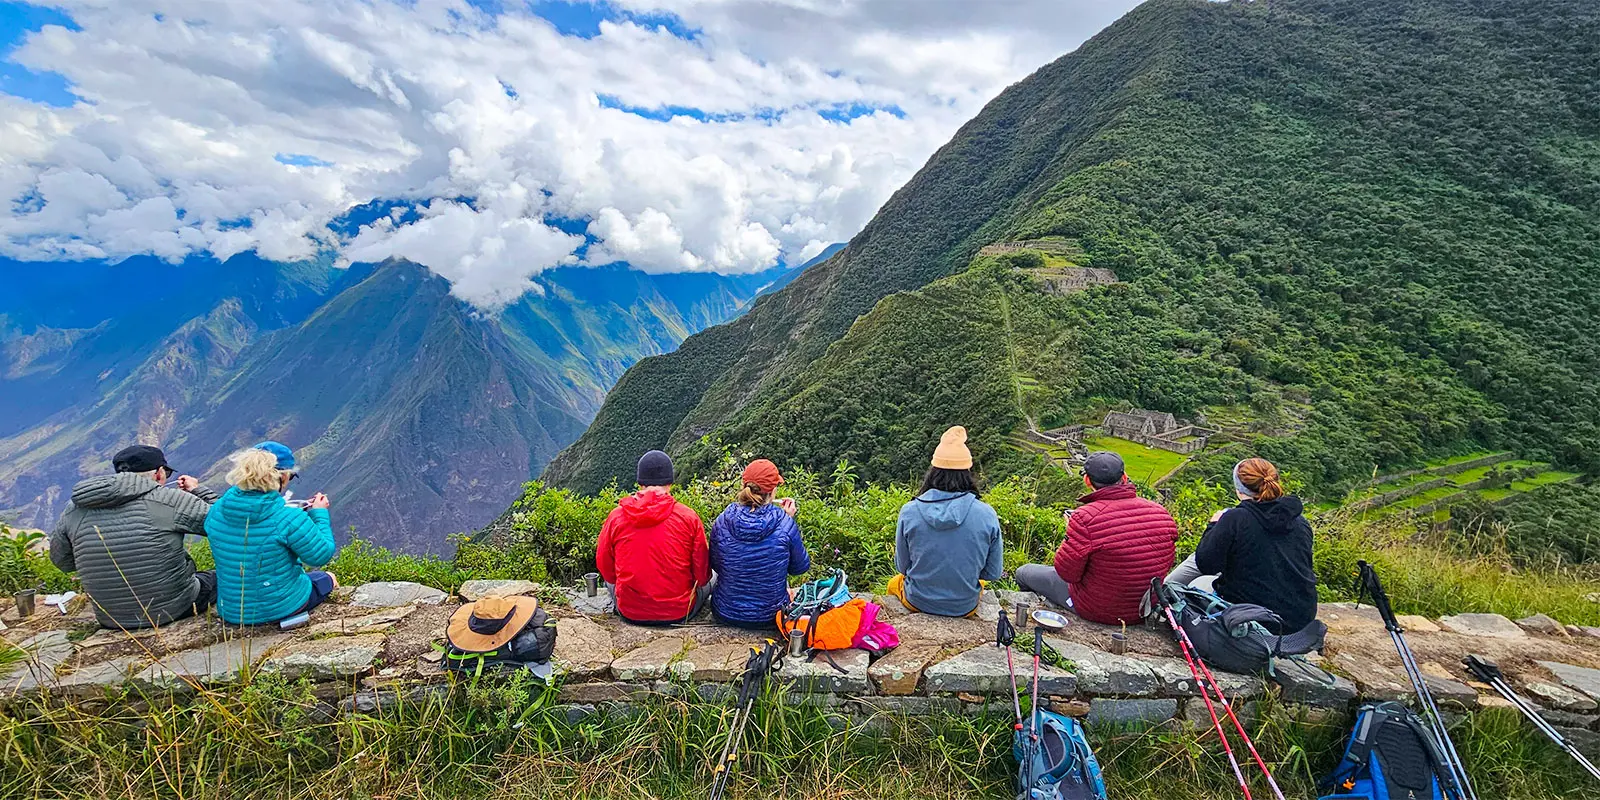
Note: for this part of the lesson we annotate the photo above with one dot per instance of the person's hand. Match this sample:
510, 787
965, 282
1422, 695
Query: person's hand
188, 483
320, 500
1218, 515
1068, 513
787, 504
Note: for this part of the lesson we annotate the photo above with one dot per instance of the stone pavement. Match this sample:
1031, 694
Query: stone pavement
375, 643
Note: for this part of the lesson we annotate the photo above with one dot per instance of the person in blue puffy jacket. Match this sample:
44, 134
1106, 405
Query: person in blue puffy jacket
755, 547
260, 541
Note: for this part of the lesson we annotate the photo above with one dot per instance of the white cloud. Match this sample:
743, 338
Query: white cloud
189, 105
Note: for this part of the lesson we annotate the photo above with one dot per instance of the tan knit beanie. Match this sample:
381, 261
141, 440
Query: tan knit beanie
952, 452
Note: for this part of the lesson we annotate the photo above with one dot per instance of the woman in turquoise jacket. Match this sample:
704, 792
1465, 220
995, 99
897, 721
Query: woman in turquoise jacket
259, 542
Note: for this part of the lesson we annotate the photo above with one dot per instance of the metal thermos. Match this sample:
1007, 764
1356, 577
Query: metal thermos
591, 584
797, 642
25, 600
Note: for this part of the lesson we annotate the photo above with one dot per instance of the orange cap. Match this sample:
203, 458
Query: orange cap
763, 475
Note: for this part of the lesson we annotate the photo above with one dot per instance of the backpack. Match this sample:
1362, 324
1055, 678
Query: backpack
1064, 767
531, 648
1390, 757
824, 609
1239, 637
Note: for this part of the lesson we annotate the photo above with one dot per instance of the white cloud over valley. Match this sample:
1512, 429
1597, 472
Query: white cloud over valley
679, 135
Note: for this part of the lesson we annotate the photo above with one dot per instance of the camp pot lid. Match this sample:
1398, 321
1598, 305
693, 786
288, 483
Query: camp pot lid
1049, 620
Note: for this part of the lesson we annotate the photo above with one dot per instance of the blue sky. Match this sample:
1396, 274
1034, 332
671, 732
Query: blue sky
17, 20
723, 136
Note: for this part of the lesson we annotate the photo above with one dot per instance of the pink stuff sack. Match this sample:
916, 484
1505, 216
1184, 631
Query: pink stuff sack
875, 636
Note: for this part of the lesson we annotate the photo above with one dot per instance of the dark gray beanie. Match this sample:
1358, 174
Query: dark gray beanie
655, 469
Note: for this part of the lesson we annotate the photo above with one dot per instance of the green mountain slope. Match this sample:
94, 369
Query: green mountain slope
1389, 213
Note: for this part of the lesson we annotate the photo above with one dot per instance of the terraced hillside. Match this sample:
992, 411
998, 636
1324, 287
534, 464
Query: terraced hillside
1430, 491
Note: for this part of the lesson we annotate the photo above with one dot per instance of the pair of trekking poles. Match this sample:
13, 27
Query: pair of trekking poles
763, 661
1213, 696
1005, 635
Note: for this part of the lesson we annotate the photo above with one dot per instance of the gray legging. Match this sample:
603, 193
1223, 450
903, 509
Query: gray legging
1042, 580
1188, 574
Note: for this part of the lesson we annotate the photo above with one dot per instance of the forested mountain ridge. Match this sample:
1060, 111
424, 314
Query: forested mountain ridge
1385, 216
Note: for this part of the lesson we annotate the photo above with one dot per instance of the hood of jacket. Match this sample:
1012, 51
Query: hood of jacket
1276, 516
943, 510
241, 508
110, 491
753, 524
647, 508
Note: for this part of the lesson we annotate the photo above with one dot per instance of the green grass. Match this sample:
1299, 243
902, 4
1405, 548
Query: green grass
1423, 498
1546, 478
1144, 465
506, 739
1453, 460
1479, 473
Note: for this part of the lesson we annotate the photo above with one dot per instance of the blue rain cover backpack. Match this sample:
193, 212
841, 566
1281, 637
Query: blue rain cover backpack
1390, 757
1064, 768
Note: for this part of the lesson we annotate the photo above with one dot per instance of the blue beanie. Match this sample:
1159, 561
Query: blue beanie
284, 455
655, 469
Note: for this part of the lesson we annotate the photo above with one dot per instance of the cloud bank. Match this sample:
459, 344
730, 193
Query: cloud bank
675, 135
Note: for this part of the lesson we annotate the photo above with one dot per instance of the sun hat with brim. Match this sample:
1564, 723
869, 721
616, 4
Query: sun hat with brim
490, 623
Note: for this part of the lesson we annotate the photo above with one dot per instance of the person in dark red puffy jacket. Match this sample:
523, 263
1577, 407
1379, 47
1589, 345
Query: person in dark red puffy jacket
653, 552
1117, 542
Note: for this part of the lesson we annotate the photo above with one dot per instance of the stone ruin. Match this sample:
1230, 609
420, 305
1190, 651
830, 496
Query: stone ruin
1156, 429
373, 646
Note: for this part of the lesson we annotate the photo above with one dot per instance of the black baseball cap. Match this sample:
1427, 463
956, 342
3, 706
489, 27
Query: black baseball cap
1104, 468
140, 458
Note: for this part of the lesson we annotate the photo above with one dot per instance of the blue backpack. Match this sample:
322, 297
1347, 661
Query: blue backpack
1064, 768
1390, 757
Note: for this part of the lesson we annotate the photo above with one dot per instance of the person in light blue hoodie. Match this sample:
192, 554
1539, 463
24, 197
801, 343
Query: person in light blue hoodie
260, 541
947, 542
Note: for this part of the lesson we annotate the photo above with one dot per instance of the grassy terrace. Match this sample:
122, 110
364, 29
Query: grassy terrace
1527, 485
1144, 464
1479, 473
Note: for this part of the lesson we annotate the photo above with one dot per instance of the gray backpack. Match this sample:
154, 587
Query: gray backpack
1239, 637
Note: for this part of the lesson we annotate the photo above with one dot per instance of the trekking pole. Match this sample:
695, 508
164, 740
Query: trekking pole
1205, 695
1043, 620
1489, 672
1370, 585
763, 661
1004, 635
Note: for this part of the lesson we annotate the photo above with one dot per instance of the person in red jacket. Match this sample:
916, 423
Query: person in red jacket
653, 551
1117, 542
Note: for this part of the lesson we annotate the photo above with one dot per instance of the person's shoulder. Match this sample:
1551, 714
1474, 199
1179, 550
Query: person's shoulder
684, 512
988, 512
166, 495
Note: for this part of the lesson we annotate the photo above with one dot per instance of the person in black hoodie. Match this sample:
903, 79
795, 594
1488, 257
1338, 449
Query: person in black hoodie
1260, 550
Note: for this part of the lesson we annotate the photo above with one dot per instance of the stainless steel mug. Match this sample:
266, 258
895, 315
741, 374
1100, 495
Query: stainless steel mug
591, 584
25, 599
1119, 644
797, 642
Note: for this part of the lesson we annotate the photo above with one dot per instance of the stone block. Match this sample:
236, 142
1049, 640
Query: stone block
983, 670
1376, 680
1195, 714
598, 606
910, 706
1315, 689
377, 622
1174, 675
46, 652
574, 714
1540, 623
98, 678
717, 663
1101, 673
583, 649
654, 661
1492, 626
1587, 742
1416, 624
1582, 679
1567, 719
477, 590
818, 675
899, 672
223, 662
388, 594
1557, 697
1105, 711
336, 658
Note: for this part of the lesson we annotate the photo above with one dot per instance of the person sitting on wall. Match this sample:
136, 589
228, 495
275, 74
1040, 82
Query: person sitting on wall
123, 535
259, 541
947, 541
755, 547
1259, 551
1116, 543
653, 553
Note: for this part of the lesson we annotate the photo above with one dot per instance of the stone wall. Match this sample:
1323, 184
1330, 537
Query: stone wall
373, 647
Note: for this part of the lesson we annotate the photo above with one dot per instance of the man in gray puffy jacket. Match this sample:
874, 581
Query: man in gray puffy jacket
123, 535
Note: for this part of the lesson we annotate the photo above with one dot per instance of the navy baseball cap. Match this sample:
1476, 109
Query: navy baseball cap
1104, 468
281, 452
